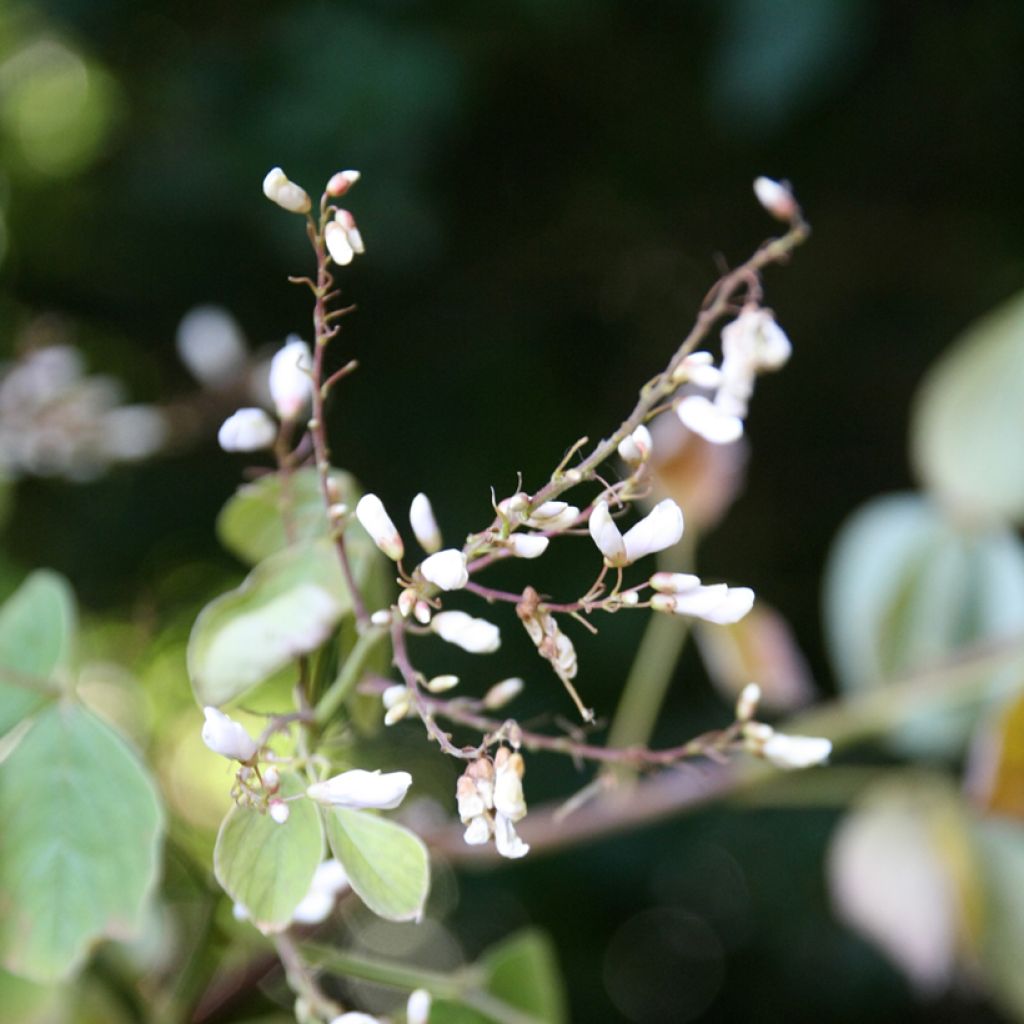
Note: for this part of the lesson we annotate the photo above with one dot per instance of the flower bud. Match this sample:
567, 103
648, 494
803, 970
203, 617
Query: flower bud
226, 737
247, 430
793, 752
289, 196
279, 811
709, 420
417, 1009
441, 684
636, 449
375, 521
341, 182
422, 612
354, 1017
271, 780
553, 516
528, 545
746, 705
503, 693
776, 197
508, 784
407, 602
210, 343
674, 582
381, 617
361, 789
396, 703
290, 383
446, 569
478, 636
424, 525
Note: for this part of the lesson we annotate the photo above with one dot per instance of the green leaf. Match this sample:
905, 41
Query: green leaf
523, 972
79, 847
268, 867
968, 419
37, 628
287, 606
251, 524
386, 864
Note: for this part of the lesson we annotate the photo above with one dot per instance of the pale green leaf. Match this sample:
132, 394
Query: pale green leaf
79, 847
523, 972
251, 524
287, 606
968, 419
268, 867
37, 628
386, 864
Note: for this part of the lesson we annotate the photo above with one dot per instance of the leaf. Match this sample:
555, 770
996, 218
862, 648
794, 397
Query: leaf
251, 524
287, 606
386, 864
268, 867
82, 827
523, 971
968, 420
37, 628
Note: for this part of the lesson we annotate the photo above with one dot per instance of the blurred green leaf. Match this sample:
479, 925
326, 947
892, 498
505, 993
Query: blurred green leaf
82, 827
968, 420
37, 627
268, 867
287, 606
387, 865
251, 524
523, 971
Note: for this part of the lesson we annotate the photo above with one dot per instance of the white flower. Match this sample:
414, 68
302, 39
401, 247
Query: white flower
290, 383
553, 516
508, 785
226, 737
341, 182
361, 789
478, 831
343, 239
446, 569
659, 529
211, 345
478, 636
471, 798
329, 881
507, 840
502, 693
703, 417
424, 525
377, 523
417, 1009
716, 603
247, 430
636, 448
776, 198
528, 545
792, 752
755, 343
289, 196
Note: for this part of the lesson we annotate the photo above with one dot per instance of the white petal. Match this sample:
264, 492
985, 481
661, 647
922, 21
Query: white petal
290, 383
377, 523
478, 832
447, 569
674, 582
289, 196
704, 418
226, 737
636, 448
658, 530
338, 244
528, 545
362, 789
606, 535
507, 840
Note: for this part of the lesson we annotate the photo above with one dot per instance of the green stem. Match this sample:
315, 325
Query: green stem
350, 674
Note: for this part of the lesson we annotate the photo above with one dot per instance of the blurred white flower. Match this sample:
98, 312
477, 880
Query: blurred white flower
247, 430
446, 569
291, 385
507, 840
478, 636
708, 420
329, 882
794, 752
362, 789
211, 345
659, 529
502, 693
417, 1009
227, 737
776, 197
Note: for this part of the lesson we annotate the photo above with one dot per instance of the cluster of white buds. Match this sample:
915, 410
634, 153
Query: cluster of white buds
753, 343
278, 188
478, 636
659, 529
790, 753
252, 429
358, 789
684, 594
490, 801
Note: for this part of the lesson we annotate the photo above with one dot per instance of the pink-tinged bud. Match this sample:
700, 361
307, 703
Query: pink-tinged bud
271, 780
708, 420
424, 525
341, 182
478, 636
636, 449
361, 789
447, 569
247, 430
289, 196
377, 523
503, 693
528, 545
777, 198
279, 811
422, 612
291, 385
226, 737
407, 602
746, 705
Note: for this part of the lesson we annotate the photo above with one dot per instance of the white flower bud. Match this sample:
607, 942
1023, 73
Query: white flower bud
279, 811
630, 598
478, 636
503, 693
271, 780
636, 448
446, 569
441, 684
508, 785
289, 196
553, 516
659, 529
381, 617
337, 511
708, 420
717, 603
528, 545
341, 182
507, 840
424, 525
239, 911
478, 831
674, 582
361, 789
422, 612
470, 800
396, 703
698, 368
792, 752
226, 737
417, 1009
407, 602
776, 197
377, 523
338, 244
247, 430
290, 383
210, 343
606, 535
746, 705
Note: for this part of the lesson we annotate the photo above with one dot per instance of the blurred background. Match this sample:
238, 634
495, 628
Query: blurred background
549, 189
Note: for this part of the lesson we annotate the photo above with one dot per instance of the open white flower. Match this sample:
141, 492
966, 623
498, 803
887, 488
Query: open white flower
794, 752
756, 340
478, 636
684, 594
227, 737
361, 789
424, 525
291, 385
374, 519
659, 529
446, 569
289, 196
247, 430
